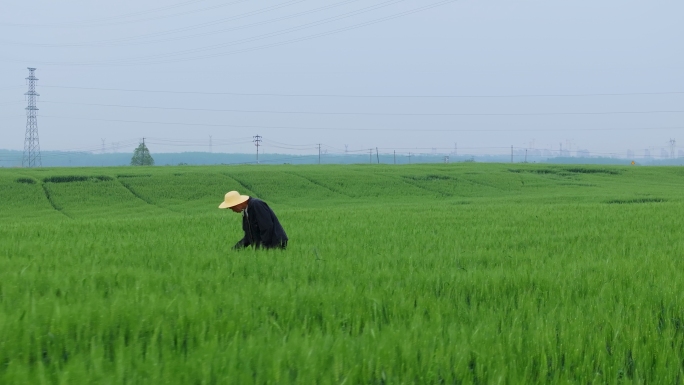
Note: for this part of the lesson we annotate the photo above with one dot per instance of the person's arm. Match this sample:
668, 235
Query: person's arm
245, 241
263, 219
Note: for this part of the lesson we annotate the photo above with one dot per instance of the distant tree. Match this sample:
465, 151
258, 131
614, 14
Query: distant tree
141, 156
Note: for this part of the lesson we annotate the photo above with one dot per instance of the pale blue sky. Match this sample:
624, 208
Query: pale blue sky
459, 48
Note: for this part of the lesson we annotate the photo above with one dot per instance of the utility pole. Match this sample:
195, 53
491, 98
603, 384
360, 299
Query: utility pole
103, 145
31, 144
455, 149
377, 155
146, 151
409, 158
257, 143
370, 153
672, 148
319, 153
525, 155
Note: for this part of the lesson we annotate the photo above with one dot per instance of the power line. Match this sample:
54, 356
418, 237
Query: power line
294, 148
195, 144
143, 60
411, 153
371, 96
286, 144
201, 142
245, 26
372, 113
440, 148
260, 37
81, 150
346, 150
7, 103
363, 129
96, 150
267, 35
275, 160
127, 40
91, 149
310, 37
165, 16
113, 146
100, 20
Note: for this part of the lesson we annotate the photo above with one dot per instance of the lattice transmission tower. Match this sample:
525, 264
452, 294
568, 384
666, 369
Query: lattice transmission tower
31, 144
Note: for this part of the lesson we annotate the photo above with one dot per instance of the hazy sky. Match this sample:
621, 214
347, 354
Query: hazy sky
225, 69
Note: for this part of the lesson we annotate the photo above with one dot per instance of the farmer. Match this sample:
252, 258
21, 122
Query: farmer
259, 222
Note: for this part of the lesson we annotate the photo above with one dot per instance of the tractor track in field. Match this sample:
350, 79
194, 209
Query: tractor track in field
246, 186
321, 185
414, 184
486, 184
52, 203
142, 198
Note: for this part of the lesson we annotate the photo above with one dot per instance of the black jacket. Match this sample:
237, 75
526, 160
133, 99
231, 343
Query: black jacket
261, 226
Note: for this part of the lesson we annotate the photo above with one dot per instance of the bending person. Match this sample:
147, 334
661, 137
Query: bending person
259, 222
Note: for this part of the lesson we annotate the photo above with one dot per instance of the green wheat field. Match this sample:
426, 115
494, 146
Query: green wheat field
423, 274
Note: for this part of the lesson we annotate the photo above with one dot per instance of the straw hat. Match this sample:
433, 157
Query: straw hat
233, 198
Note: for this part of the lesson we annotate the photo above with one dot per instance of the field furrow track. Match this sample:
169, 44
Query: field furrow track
52, 203
128, 187
246, 187
313, 182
